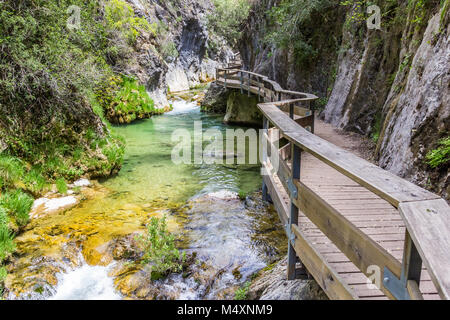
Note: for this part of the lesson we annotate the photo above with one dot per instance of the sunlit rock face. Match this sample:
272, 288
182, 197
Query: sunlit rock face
179, 57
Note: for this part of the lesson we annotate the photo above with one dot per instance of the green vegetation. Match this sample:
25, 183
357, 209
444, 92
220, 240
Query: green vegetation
241, 293
120, 16
376, 130
6, 240
159, 249
124, 100
18, 204
292, 22
242, 195
441, 155
228, 18
61, 185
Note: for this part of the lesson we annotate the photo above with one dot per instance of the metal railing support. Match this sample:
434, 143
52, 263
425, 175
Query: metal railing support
410, 277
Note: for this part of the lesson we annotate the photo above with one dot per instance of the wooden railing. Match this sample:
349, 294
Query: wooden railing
425, 215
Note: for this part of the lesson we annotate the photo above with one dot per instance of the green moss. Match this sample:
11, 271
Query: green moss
441, 155
376, 129
124, 100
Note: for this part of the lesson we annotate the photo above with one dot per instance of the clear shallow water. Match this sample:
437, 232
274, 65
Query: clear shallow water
221, 232
148, 173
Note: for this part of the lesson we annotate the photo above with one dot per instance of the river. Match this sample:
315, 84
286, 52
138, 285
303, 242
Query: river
232, 238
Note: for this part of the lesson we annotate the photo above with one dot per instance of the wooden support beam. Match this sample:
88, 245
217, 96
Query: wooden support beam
328, 279
293, 217
355, 244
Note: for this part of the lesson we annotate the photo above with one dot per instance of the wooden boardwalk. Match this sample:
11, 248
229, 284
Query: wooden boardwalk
365, 210
346, 219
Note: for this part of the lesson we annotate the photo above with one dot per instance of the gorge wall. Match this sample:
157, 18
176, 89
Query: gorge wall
390, 84
183, 53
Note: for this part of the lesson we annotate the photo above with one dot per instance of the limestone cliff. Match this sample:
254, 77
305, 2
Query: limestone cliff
183, 52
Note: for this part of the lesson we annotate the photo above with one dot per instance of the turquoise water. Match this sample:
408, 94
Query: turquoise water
148, 173
231, 238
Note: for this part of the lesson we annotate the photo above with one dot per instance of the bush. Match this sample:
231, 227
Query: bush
441, 155
120, 16
292, 22
125, 100
11, 170
6, 239
241, 293
61, 185
18, 204
159, 249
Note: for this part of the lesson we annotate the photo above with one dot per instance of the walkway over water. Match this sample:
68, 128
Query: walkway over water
349, 222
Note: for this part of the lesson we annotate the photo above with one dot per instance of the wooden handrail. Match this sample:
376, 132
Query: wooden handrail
426, 215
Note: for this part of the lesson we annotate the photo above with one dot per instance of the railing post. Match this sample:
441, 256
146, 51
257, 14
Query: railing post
259, 90
313, 112
291, 110
249, 83
242, 82
225, 76
293, 217
265, 131
408, 285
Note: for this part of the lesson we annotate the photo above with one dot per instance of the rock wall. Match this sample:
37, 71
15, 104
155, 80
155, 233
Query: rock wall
389, 84
180, 55
238, 108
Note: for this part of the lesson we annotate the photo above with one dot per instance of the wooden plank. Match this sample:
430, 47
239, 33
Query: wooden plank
428, 224
357, 246
305, 121
328, 279
387, 185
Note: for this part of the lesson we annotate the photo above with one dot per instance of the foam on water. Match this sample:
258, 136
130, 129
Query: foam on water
86, 283
182, 106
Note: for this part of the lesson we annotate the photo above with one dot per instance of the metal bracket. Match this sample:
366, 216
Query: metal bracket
290, 235
292, 188
395, 285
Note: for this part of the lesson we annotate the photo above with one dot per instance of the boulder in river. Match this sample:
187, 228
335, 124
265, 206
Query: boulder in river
272, 284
